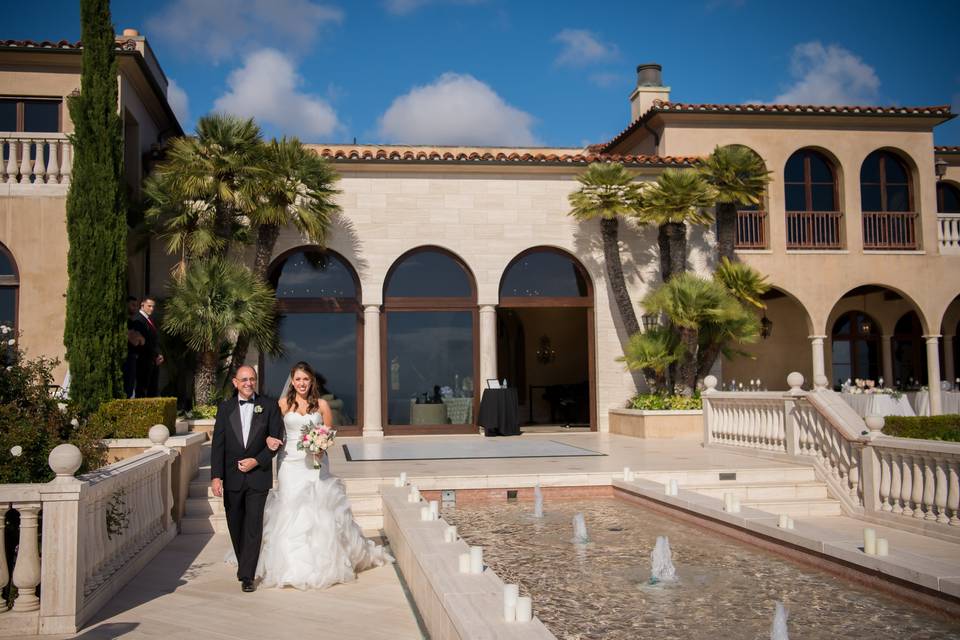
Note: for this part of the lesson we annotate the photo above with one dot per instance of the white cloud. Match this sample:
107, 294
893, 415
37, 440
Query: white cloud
829, 75
608, 79
267, 88
179, 102
455, 109
221, 29
404, 7
582, 47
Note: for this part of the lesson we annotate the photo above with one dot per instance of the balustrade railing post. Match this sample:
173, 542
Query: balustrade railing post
61, 597
791, 428
26, 571
4, 572
709, 387
870, 478
24, 161
953, 492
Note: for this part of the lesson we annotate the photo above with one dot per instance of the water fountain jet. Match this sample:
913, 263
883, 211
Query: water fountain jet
661, 562
580, 529
779, 629
537, 502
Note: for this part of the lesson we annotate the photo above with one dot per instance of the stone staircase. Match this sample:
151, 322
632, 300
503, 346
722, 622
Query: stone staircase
204, 513
796, 491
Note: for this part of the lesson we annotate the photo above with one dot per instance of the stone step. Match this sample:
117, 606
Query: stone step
797, 508
217, 523
740, 476
764, 490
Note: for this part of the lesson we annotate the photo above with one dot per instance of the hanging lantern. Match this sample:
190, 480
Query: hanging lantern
766, 326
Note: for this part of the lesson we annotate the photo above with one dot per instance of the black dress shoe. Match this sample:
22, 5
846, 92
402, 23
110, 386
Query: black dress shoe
247, 585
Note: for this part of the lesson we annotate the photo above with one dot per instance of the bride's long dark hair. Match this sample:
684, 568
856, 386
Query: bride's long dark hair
313, 393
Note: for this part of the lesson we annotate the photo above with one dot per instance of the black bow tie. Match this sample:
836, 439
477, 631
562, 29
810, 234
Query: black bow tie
250, 401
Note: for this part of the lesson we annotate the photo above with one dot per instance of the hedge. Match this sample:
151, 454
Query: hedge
924, 427
660, 402
133, 418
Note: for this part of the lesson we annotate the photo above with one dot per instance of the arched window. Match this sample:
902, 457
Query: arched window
430, 366
948, 198
909, 352
9, 289
544, 273
320, 323
886, 199
814, 219
855, 348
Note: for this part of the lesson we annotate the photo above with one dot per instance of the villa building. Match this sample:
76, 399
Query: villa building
453, 266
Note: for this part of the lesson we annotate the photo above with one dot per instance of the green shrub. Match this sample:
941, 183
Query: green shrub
924, 427
32, 422
663, 402
133, 418
202, 412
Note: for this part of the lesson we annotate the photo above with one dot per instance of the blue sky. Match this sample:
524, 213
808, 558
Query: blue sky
523, 72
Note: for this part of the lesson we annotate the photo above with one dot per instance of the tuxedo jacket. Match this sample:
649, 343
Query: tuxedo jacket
227, 448
151, 343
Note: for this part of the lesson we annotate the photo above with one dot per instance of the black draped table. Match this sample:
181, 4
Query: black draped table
499, 412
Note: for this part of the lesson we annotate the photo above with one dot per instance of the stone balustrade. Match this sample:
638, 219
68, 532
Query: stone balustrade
948, 233
35, 158
904, 482
99, 530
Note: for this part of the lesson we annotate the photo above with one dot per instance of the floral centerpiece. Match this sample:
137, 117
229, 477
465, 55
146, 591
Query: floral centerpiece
865, 386
315, 438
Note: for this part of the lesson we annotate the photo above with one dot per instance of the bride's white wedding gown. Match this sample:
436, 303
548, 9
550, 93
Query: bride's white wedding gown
310, 540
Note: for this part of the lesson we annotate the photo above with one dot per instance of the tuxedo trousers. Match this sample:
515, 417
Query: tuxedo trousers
244, 512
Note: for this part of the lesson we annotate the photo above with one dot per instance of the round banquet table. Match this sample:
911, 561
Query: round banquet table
878, 404
499, 413
920, 401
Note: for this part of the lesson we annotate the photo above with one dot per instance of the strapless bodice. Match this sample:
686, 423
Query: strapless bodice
293, 424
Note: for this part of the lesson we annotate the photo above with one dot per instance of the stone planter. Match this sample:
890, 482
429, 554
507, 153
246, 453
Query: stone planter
200, 425
673, 425
185, 467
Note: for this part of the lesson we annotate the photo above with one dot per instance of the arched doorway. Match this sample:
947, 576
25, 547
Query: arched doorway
318, 296
9, 289
909, 351
545, 338
430, 359
855, 348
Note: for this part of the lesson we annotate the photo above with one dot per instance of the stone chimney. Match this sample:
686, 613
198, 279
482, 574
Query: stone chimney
649, 88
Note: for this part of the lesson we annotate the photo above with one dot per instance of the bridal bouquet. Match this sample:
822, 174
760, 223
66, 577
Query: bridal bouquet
316, 438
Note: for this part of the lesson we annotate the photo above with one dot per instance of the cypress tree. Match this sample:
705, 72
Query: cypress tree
95, 333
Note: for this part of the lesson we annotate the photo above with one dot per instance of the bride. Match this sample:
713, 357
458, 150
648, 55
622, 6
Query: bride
310, 540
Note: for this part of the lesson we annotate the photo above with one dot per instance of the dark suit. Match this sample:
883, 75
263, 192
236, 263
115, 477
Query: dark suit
147, 370
245, 494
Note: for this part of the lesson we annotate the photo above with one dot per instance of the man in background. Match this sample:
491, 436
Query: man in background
149, 358
135, 340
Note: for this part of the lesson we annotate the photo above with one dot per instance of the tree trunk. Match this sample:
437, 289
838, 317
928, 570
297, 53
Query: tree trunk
205, 382
663, 242
726, 230
706, 358
267, 236
687, 371
676, 234
611, 256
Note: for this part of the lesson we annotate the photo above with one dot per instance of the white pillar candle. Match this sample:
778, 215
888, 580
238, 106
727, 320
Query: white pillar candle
464, 560
883, 547
510, 612
425, 513
870, 542
524, 609
782, 522
626, 474
735, 503
476, 559
396, 482
789, 523
510, 593
674, 488
434, 509
403, 478
450, 534
728, 502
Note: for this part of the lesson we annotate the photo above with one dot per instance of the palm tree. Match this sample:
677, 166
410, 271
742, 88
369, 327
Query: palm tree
740, 178
296, 188
608, 192
202, 191
215, 301
694, 305
745, 283
677, 197
653, 352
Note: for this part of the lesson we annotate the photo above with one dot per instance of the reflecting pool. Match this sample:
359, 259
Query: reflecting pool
724, 588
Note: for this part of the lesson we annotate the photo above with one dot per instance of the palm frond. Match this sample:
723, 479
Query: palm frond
737, 174
746, 283
607, 190
678, 195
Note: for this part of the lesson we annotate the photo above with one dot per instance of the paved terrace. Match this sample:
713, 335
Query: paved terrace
188, 592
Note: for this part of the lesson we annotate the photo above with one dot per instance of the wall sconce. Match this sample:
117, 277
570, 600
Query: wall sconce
545, 353
940, 168
650, 321
766, 326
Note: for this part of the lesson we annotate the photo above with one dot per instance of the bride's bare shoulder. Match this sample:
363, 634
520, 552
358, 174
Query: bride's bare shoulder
282, 402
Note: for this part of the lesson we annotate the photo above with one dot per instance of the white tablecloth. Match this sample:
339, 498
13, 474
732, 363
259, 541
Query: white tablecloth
920, 401
459, 410
878, 404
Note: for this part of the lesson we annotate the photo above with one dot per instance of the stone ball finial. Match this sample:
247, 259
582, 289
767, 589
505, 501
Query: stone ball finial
820, 382
158, 434
875, 425
710, 384
795, 381
65, 459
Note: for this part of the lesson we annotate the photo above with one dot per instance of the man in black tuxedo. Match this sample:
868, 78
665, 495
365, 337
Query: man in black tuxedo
149, 357
240, 466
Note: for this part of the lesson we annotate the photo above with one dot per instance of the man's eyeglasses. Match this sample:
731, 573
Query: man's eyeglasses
246, 379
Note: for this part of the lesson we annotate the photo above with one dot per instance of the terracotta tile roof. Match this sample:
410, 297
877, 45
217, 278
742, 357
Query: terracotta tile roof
547, 157
946, 149
123, 45
659, 107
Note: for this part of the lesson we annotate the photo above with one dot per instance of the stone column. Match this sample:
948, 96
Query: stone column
816, 351
933, 374
949, 370
372, 421
886, 357
488, 345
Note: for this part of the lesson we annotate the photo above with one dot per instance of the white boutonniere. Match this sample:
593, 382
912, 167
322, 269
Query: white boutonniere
258, 409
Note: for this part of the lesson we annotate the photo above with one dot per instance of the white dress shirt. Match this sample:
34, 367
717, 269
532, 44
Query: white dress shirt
246, 418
